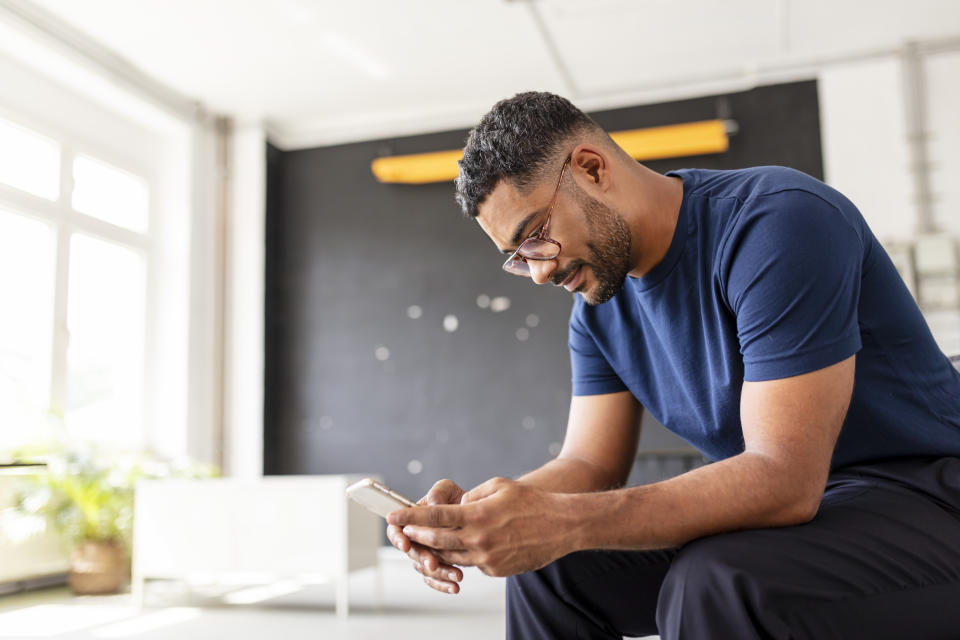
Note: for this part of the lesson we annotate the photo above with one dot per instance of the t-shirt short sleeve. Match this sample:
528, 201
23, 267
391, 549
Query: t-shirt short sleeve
592, 373
792, 269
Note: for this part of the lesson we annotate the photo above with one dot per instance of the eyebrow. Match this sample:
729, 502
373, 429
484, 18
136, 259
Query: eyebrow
518, 235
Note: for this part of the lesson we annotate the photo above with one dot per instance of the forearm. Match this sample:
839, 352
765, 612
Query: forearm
570, 475
744, 492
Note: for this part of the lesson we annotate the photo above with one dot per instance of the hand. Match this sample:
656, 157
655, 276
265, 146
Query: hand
439, 575
503, 527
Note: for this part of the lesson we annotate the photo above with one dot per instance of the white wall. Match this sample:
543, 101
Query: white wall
943, 84
243, 380
867, 155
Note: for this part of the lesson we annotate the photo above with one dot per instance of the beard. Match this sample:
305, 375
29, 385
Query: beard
609, 247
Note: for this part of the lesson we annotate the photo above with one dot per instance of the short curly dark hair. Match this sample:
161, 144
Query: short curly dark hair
518, 139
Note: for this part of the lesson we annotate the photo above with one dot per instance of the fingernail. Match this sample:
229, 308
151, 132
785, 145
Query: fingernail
452, 575
449, 589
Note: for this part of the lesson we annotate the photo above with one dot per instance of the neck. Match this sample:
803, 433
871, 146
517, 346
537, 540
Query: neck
653, 206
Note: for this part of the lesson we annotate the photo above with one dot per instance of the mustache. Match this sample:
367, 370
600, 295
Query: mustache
559, 278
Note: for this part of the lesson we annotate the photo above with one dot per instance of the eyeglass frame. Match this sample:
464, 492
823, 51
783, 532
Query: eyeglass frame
540, 235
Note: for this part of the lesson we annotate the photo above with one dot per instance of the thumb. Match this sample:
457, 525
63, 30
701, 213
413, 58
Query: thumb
443, 492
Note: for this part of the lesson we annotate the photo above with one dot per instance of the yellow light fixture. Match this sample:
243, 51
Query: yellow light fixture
652, 143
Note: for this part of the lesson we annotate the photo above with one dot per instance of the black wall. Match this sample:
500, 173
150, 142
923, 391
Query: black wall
347, 256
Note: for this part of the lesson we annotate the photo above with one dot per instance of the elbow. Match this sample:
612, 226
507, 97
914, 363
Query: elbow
798, 510
806, 511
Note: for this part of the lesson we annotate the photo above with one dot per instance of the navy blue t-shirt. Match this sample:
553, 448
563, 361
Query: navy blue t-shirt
770, 274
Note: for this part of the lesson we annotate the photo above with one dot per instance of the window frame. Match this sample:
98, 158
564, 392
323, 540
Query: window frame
65, 221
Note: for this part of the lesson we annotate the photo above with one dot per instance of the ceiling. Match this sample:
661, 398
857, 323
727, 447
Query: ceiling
321, 72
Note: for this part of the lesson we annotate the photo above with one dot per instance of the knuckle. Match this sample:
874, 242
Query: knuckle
477, 513
482, 541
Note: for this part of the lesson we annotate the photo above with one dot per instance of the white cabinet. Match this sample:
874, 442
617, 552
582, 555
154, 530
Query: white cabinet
300, 527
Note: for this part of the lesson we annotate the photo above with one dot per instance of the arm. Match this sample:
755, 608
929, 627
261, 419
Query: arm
602, 435
790, 427
598, 449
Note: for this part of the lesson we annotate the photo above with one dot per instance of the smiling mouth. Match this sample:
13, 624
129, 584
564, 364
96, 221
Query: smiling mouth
574, 278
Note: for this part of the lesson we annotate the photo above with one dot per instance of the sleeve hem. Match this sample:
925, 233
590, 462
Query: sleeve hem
596, 388
795, 365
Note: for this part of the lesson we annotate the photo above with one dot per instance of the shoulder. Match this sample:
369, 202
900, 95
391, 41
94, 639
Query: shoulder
780, 204
750, 183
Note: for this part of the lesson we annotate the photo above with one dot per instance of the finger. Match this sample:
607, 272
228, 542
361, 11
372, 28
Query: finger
443, 492
443, 515
442, 585
459, 557
443, 572
482, 491
430, 559
423, 556
440, 539
397, 539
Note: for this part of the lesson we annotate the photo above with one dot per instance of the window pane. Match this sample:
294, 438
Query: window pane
29, 161
105, 318
110, 194
27, 258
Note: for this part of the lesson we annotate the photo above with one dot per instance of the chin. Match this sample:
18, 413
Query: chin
598, 293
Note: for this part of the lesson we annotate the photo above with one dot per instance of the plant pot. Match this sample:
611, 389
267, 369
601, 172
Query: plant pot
98, 567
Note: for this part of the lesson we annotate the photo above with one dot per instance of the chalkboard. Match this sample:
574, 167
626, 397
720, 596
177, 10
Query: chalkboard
396, 345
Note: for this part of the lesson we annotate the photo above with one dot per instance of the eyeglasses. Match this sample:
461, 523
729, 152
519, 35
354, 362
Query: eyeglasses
538, 246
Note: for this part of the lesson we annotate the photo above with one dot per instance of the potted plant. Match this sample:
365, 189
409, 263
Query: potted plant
86, 494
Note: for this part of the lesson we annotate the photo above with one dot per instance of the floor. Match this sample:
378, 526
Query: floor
285, 610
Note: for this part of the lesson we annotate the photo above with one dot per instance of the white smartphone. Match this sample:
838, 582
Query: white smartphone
378, 497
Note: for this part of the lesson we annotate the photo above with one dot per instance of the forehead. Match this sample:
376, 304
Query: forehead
505, 208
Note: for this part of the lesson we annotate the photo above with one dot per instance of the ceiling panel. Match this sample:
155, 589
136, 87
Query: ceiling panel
300, 58
616, 46
322, 72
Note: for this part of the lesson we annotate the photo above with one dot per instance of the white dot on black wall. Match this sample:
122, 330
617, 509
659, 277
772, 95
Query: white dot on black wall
414, 311
483, 301
529, 423
533, 320
500, 303
326, 422
414, 467
450, 323
554, 448
523, 334
381, 353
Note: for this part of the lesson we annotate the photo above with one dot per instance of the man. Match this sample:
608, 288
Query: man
754, 314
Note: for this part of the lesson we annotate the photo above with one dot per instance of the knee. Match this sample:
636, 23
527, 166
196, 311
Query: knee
556, 580
526, 585
707, 585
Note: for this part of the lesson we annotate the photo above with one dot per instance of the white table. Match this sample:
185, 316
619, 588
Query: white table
296, 527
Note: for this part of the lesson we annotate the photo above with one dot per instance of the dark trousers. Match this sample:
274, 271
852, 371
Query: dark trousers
880, 560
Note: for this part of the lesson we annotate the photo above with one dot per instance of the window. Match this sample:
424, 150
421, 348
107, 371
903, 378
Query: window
75, 252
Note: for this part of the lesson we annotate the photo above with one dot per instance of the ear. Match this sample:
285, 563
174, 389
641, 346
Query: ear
591, 163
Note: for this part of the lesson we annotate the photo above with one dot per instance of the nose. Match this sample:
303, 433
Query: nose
542, 270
